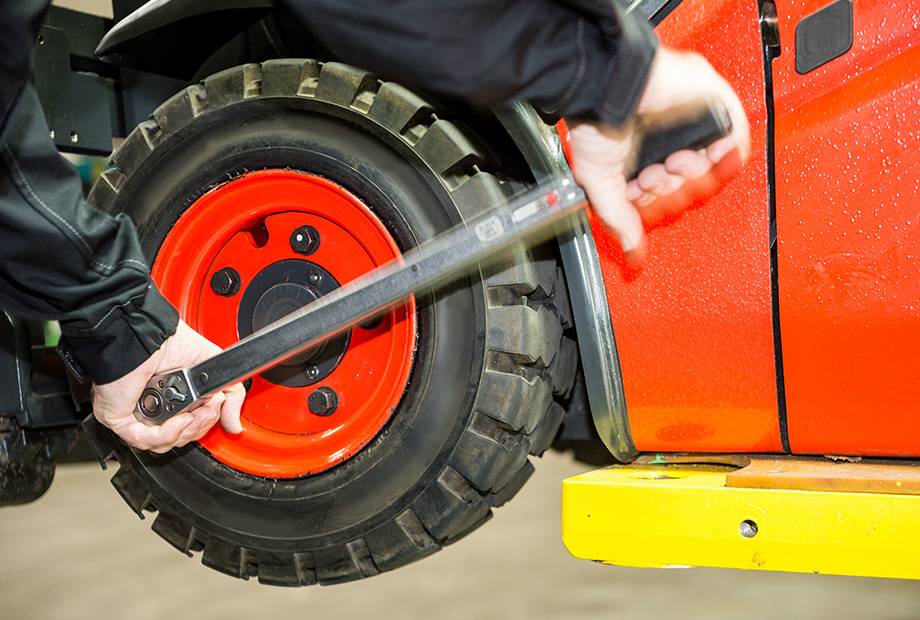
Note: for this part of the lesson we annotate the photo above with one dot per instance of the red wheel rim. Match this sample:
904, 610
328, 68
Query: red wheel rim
246, 224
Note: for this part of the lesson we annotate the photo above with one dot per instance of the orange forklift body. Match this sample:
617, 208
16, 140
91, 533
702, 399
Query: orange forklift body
785, 315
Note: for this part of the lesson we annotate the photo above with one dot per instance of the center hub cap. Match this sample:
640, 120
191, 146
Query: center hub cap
252, 250
279, 301
277, 290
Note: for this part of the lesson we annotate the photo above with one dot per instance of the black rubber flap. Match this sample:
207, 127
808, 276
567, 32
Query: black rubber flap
823, 36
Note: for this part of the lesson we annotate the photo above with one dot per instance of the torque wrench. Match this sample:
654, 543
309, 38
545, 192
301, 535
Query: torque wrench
442, 258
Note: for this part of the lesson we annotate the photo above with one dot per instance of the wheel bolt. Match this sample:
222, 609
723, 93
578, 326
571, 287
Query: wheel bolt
748, 528
312, 372
226, 282
305, 240
323, 401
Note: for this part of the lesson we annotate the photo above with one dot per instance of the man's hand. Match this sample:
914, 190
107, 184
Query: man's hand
600, 153
113, 403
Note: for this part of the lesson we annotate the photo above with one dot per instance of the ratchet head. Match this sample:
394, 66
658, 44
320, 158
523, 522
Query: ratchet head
165, 396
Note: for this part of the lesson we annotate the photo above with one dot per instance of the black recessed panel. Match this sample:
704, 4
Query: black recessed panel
823, 36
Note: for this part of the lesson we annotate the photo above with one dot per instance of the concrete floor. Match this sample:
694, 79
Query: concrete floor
79, 553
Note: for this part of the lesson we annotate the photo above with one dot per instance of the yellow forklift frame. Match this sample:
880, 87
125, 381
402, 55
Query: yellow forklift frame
798, 515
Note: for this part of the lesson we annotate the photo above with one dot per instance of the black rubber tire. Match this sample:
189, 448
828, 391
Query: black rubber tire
28, 458
492, 356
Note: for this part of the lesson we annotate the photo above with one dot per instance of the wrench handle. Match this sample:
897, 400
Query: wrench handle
693, 127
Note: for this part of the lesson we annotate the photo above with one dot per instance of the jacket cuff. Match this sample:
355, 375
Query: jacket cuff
619, 59
121, 341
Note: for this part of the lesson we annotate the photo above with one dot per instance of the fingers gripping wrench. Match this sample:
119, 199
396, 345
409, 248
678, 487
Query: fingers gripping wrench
433, 262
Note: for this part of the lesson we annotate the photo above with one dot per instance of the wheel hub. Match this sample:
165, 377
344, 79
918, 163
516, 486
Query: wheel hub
256, 248
277, 290
279, 301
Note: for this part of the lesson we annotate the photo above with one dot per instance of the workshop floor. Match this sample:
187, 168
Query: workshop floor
80, 553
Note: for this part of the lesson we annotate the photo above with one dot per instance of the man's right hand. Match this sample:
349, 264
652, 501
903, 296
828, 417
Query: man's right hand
600, 153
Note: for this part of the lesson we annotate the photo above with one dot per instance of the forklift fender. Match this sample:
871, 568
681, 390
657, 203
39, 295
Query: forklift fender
174, 37
542, 148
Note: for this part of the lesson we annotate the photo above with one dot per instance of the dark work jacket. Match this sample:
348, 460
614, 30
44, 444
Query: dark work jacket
576, 58
61, 259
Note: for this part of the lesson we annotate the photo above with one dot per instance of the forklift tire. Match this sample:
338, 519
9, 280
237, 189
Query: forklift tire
492, 354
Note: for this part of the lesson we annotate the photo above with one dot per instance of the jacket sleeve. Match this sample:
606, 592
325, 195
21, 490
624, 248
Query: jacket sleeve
583, 58
60, 258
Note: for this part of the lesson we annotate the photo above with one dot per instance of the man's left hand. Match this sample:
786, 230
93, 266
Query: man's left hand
114, 403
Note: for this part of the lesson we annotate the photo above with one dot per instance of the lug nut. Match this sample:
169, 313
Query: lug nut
323, 401
305, 240
226, 282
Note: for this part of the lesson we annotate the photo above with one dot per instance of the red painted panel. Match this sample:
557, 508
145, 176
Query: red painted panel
694, 329
848, 218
